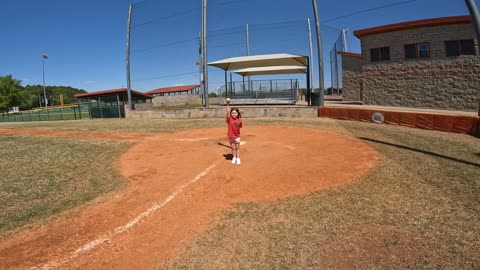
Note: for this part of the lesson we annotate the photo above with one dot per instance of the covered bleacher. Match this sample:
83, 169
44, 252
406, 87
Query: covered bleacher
263, 92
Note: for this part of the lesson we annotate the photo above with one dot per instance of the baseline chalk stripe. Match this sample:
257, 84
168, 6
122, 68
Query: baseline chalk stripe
190, 140
130, 224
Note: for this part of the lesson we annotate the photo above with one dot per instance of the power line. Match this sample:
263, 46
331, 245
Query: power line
166, 45
229, 2
367, 10
174, 75
167, 17
167, 76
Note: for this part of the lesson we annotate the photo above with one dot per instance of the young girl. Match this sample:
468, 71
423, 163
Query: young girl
234, 124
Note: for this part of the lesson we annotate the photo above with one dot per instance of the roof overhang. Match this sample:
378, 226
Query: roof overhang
111, 92
412, 25
271, 70
181, 88
265, 60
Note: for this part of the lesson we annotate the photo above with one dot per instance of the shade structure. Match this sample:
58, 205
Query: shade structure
266, 60
271, 70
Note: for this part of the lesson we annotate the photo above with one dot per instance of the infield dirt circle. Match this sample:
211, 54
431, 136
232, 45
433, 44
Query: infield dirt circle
177, 184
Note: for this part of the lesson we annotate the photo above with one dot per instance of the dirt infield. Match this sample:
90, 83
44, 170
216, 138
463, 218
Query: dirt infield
178, 183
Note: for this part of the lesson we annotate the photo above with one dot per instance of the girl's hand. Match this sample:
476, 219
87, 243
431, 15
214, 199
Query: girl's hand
227, 100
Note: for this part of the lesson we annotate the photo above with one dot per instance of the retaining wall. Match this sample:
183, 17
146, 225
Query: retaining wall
217, 112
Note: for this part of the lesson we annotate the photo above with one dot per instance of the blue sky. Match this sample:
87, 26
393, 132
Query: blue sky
85, 40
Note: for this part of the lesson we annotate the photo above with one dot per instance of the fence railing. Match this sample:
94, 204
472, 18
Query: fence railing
254, 86
47, 114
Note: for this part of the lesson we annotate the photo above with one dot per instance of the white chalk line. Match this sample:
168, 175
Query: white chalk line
191, 140
284, 145
130, 224
177, 140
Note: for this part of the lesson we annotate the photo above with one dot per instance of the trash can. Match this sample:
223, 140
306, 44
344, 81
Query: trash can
314, 99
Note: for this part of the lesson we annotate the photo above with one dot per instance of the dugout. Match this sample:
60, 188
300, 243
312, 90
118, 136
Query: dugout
110, 103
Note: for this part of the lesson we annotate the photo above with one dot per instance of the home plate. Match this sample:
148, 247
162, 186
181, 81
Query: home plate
242, 143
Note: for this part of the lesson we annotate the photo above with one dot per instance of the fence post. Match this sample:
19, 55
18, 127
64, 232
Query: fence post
61, 116
48, 115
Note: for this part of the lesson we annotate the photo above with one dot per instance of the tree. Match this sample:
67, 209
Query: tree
53, 93
9, 92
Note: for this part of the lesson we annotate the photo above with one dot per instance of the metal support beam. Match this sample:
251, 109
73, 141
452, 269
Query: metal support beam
320, 53
129, 89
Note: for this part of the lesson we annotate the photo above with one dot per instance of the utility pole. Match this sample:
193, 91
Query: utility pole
204, 51
476, 24
200, 67
248, 53
129, 89
320, 52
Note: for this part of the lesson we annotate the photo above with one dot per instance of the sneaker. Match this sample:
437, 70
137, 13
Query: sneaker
238, 161
234, 160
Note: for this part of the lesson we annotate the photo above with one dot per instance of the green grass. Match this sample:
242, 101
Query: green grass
42, 177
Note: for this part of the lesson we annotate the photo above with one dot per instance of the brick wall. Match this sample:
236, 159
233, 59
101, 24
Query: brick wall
351, 77
445, 84
438, 82
435, 36
176, 100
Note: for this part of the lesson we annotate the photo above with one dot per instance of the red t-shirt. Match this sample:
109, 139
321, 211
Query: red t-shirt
234, 126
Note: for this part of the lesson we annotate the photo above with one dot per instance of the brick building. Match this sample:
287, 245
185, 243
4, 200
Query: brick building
432, 63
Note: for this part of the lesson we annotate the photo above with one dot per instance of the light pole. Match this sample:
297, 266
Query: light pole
44, 56
320, 52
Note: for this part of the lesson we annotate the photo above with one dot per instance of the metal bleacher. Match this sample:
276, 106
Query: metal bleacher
271, 92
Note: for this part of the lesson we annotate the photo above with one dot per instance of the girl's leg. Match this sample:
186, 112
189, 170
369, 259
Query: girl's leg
237, 152
232, 146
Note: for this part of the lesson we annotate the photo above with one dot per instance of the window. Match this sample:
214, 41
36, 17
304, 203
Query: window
420, 50
380, 54
460, 47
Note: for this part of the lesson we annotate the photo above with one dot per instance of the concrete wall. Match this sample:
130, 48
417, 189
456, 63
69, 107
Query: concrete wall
219, 112
161, 101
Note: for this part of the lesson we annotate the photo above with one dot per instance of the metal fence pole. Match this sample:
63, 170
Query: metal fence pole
129, 88
118, 106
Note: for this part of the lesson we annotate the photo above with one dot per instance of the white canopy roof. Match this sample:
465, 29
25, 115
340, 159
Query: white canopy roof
266, 60
271, 70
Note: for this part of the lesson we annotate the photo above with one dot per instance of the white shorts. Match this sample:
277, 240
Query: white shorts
234, 140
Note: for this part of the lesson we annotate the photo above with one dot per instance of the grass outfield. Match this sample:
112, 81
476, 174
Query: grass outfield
419, 208
41, 177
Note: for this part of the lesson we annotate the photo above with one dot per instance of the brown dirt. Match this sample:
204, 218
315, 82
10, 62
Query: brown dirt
133, 230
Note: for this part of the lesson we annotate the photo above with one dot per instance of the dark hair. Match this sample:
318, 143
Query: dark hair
236, 109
